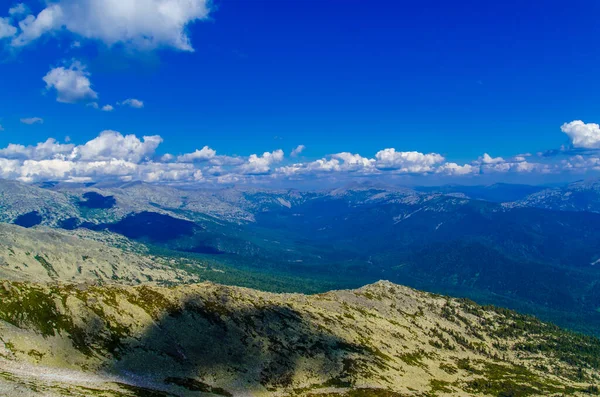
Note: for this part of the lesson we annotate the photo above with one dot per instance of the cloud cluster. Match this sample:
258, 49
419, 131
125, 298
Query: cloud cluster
138, 24
112, 155
203, 154
72, 85
387, 160
261, 165
408, 162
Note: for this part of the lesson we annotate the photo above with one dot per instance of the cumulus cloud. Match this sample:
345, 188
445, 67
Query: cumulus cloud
112, 155
260, 165
456, 169
132, 102
353, 162
487, 159
107, 108
113, 145
299, 149
71, 84
407, 162
582, 135
203, 154
43, 150
313, 167
32, 120
139, 24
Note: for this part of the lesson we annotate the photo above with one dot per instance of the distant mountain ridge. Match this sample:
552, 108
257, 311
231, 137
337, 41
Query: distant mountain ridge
576, 196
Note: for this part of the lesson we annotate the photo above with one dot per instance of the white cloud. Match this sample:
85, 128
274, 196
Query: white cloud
352, 162
456, 169
18, 9
339, 162
72, 85
43, 150
167, 158
32, 120
261, 165
581, 163
203, 154
487, 159
582, 135
112, 155
139, 24
314, 167
388, 160
132, 102
6, 28
31, 28
299, 149
10, 169
516, 166
173, 172
407, 162
226, 160
107, 108
113, 145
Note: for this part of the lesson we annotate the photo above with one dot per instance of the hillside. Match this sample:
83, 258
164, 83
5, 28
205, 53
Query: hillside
576, 196
46, 255
208, 339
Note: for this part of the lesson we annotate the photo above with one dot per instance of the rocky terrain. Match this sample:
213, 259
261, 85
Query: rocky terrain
576, 196
209, 339
45, 255
103, 292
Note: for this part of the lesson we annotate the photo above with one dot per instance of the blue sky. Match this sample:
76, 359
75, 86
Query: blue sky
457, 79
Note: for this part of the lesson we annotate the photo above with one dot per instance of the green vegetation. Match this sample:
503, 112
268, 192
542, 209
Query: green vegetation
51, 271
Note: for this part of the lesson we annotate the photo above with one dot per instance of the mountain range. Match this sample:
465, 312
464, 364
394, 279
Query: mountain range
148, 290
537, 253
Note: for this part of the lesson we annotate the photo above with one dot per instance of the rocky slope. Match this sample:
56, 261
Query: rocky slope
576, 196
44, 255
208, 339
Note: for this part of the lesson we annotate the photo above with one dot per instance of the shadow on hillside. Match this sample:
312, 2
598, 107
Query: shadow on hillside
208, 344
